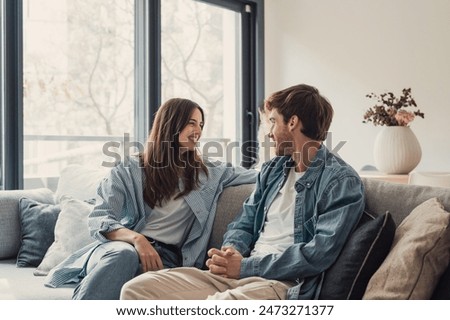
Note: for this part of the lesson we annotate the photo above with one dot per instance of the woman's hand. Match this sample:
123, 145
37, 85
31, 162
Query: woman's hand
149, 257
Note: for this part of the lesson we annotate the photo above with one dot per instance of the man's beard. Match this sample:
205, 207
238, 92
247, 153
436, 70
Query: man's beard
285, 148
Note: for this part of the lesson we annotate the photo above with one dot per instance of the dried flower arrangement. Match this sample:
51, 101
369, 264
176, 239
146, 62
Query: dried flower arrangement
390, 110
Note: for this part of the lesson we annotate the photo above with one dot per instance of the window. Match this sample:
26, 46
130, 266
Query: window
89, 72
78, 77
201, 61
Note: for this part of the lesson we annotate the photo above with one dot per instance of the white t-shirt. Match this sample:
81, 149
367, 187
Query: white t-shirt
169, 223
278, 231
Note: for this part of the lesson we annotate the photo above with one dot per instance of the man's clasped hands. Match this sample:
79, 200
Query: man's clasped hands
225, 262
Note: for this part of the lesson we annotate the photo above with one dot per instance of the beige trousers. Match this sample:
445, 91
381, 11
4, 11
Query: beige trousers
195, 284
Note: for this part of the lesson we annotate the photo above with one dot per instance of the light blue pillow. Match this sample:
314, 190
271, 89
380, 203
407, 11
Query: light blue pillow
37, 222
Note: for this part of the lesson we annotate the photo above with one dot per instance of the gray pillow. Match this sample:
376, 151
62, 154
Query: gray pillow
9, 217
37, 222
361, 256
442, 291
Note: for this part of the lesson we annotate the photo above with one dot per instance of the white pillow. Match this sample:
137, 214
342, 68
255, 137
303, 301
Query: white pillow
80, 182
71, 233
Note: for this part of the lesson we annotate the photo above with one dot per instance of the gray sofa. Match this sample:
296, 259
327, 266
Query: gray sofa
20, 283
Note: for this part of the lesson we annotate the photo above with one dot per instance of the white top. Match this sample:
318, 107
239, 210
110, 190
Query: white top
170, 223
278, 232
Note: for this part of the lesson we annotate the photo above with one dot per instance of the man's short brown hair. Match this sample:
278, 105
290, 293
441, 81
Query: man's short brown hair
304, 101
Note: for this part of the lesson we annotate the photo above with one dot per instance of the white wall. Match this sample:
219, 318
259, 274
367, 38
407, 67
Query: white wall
349, 48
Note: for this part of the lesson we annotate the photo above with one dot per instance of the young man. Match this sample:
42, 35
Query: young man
293, 226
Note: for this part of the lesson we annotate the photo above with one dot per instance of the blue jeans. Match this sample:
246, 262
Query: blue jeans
111, 265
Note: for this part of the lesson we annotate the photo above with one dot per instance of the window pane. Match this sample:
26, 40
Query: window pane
201, 61
78, 83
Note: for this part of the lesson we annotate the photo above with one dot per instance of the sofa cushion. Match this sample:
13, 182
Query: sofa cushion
363, 253
71, 233
9, 217
79, 182
418, 257
229, 205
21, 284
382, 196
37, 222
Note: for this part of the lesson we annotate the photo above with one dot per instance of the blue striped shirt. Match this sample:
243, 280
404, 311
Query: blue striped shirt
120, 204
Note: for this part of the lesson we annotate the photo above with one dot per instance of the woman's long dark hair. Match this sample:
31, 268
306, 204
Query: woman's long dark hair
162, 161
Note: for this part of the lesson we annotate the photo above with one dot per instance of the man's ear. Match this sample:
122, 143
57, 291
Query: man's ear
293, 123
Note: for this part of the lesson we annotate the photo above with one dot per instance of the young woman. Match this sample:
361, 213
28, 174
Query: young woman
154, 211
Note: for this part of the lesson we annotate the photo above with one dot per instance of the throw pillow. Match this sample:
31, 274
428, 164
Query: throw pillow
79, 182
37, 222
363, 253
71, 233
9, 217
442, 291
419, 255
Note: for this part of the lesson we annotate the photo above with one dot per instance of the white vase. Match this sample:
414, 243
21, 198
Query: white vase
396, 150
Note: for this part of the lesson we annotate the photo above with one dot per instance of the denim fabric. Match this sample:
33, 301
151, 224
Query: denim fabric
328, 205
121, 260
109, 267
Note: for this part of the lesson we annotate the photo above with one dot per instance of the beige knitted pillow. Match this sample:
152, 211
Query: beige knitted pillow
419, 255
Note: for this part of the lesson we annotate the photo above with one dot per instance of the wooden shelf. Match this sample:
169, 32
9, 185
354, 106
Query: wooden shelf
394, 178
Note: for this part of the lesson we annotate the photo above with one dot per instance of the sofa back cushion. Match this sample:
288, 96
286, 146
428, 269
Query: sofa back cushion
400, 199
229, 206
9, 217
381, 196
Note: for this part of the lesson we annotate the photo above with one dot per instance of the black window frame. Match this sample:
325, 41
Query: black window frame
11, 95
147, 78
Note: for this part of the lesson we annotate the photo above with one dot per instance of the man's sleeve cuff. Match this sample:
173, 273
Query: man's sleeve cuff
240, 249
250, 267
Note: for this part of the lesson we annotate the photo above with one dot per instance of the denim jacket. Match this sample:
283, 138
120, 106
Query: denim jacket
328, 204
